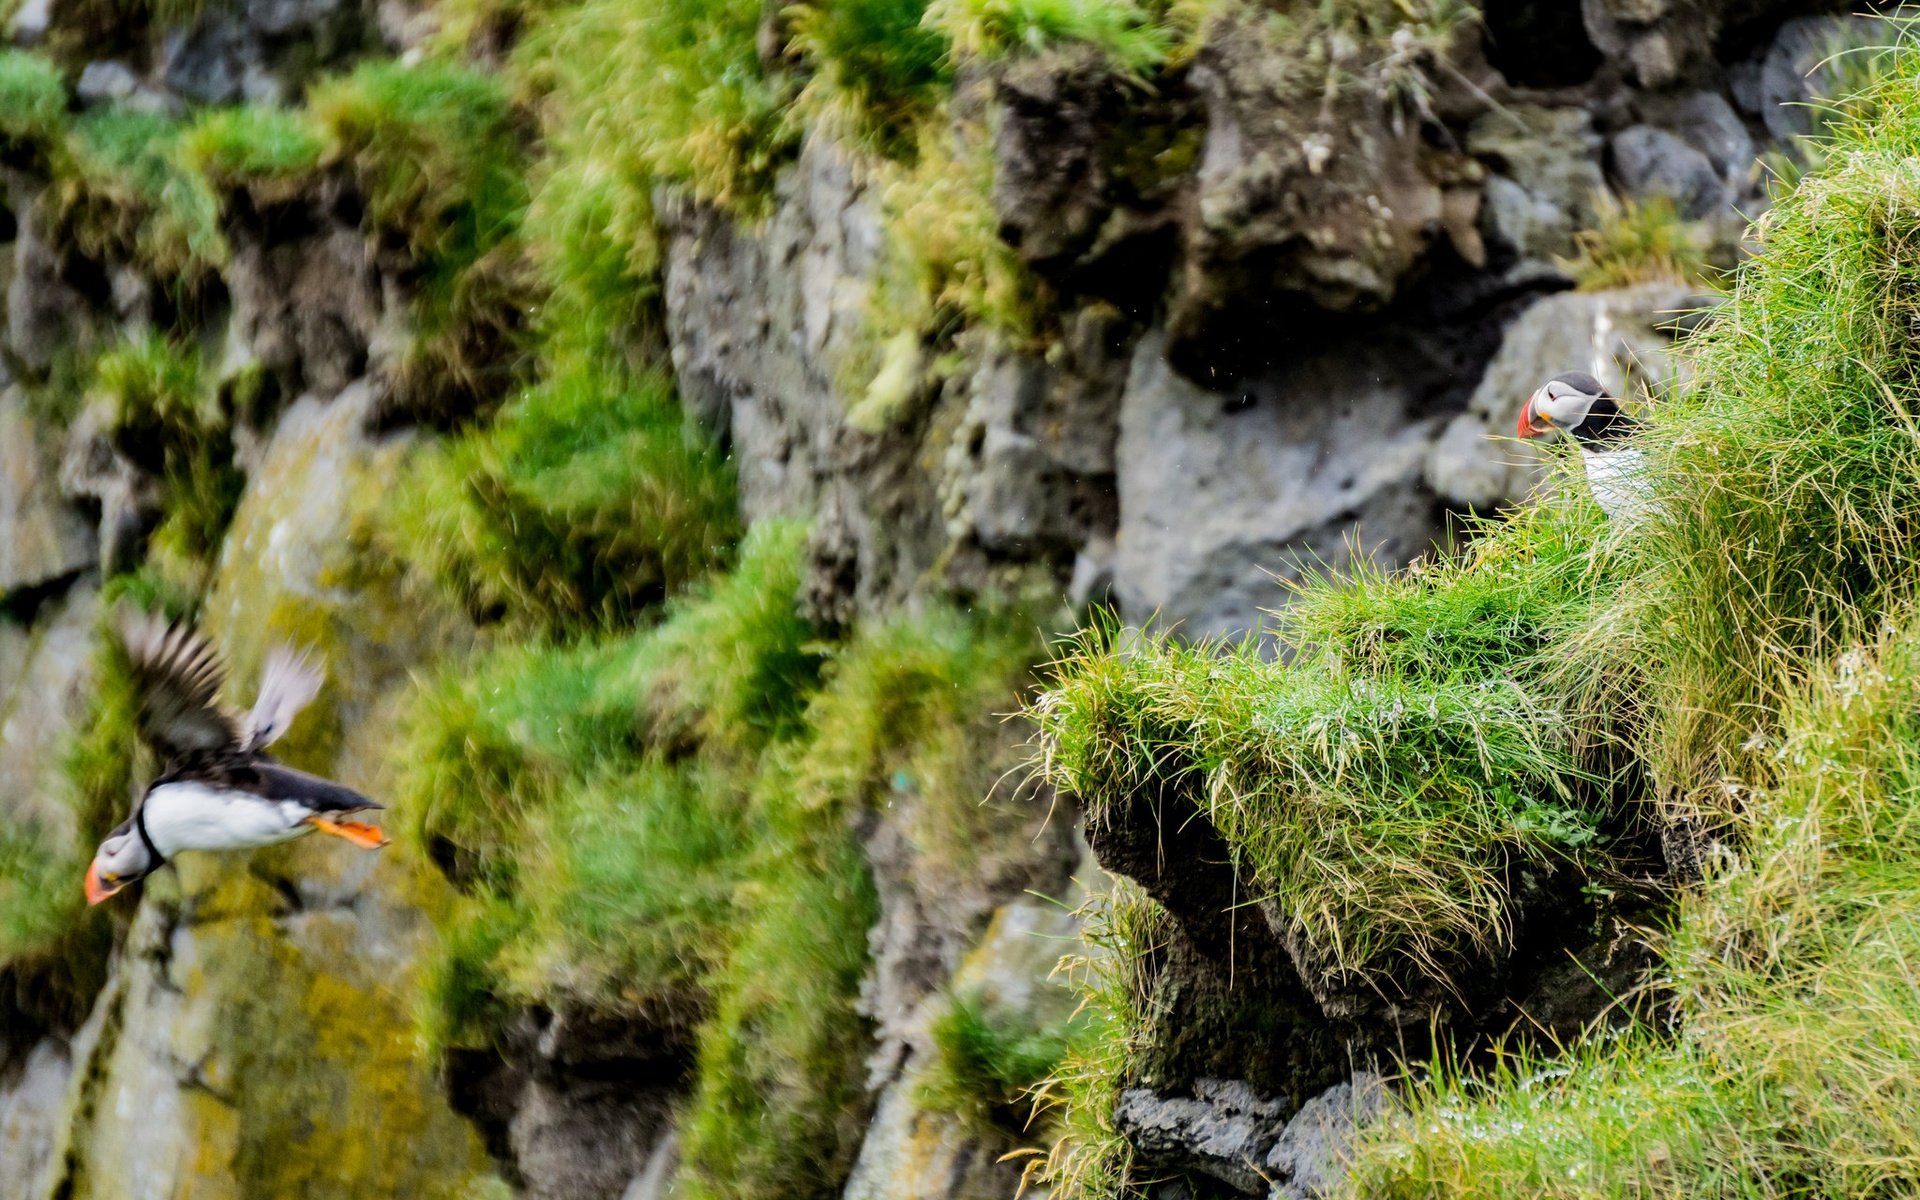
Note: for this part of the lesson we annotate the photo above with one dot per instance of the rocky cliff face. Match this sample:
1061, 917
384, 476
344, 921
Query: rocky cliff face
1280, 321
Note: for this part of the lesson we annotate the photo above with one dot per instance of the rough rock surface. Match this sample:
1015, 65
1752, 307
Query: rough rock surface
44, 687
912, 1152
252, 1030
1220, 493
1224, 1129
42, 537
1303, 196
1307, 1160
1545, 165
1652, 162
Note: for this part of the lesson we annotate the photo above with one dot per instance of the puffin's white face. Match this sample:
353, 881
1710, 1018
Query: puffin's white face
1557, 405
119, 861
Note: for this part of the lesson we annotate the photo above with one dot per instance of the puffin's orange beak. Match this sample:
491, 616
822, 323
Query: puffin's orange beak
97, 889
1527, 427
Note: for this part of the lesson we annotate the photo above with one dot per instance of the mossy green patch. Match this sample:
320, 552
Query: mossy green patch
586, 501
990, 1064
33, 99
125, 195
436, 150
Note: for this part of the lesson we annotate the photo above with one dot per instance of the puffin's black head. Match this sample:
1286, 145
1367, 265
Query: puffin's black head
123, 858
1578, 404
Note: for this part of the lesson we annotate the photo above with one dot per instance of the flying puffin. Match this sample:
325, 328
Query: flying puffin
1576, 403
219, 790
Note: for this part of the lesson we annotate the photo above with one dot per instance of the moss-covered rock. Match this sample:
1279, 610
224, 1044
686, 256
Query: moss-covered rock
264, 1044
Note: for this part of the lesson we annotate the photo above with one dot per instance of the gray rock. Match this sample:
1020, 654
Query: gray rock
1708, 123
308, 306
31, 21
1308, 1161
201, 62
1313, 467
42, 537
1652, 162
263, 51
44, 313
106, 82
1327, 201
1656, 41
1546, 175
1621, 337
1030, 471
1801, 67
655, 1180
41, 702
1224, 1130
129, 500
32, 1108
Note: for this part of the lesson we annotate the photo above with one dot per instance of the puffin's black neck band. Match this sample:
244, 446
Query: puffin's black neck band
146, 839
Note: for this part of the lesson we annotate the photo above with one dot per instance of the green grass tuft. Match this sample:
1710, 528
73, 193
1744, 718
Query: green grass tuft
1640, 241
164, 417
1379, 787
587, 500
1124, 33
124, 194
233, 147
436, 150
33, 99
989, 1065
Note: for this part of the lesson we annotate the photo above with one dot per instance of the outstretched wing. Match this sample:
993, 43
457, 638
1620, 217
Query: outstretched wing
179, 675
288, 684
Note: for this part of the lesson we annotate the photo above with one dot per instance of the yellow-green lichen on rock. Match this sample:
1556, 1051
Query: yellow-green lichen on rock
259, 1040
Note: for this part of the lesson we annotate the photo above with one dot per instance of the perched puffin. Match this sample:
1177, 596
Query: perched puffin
1576, 403
218, 790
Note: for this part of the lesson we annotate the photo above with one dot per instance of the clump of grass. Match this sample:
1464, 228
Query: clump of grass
879, 69
436, 151
595, 801
944, 268
252, 146
1379, 787
33, 100
988, 1064
1123, 933
587, 500
164, 417
705, 115
779, 1101
125, 195
1640, 241
1126, 34
1796, 1033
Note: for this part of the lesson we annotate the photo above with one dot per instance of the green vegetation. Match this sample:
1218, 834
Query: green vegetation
434, 147
1380, 787
586, 500
1640, 241
990, 1064
33, 99
125, 195
1124, 33
1752, 648
660, 824
165, 418
248, 145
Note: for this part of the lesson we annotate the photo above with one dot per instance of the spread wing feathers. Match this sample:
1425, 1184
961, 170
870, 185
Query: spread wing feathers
288, 684
179, 675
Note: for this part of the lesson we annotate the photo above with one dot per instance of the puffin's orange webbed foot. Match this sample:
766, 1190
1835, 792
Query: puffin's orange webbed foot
367, 837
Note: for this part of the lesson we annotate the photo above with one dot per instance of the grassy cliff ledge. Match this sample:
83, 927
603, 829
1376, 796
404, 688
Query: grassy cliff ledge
1740, 677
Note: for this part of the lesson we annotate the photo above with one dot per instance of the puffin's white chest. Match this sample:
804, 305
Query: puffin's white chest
192, 816
1618, 482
